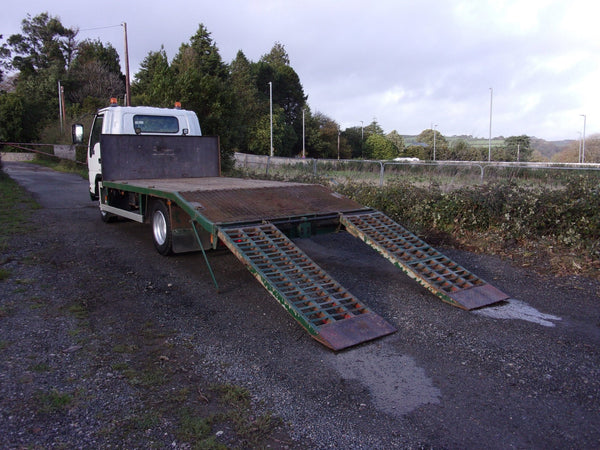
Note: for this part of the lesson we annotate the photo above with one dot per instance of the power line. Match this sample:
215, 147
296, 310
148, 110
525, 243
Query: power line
101, 28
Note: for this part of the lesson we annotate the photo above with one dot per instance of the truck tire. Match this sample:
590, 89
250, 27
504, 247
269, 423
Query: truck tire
161, 228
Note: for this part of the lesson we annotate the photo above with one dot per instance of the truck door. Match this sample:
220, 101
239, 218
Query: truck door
93, 157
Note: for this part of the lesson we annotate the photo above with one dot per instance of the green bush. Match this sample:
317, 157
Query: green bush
570, 215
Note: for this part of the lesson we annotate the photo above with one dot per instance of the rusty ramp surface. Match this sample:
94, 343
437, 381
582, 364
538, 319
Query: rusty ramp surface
331, 314
254, 202
430, 268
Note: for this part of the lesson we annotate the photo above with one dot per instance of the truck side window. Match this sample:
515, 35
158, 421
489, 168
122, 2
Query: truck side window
96, 132
155, 124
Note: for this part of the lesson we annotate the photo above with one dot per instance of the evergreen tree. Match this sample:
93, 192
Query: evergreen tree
247, 107
201, 82
153, 84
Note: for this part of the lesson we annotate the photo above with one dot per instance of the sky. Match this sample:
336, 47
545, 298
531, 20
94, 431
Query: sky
532, 66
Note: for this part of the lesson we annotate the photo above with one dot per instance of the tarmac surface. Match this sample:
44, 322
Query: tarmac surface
522, 374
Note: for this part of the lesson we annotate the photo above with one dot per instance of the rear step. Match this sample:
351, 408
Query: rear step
330, 313
436, 272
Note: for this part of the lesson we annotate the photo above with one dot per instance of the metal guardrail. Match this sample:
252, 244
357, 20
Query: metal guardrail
267, 163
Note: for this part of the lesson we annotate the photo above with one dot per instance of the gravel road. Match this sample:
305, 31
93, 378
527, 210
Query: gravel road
88, 302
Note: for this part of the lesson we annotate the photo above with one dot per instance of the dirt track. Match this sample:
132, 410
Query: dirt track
448, 378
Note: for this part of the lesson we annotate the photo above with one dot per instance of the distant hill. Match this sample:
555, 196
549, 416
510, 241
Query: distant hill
549, 148
546, 148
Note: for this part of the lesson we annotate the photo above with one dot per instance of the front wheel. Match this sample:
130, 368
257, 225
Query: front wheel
161, 228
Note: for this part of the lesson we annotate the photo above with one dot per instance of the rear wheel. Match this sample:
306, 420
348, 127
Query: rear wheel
161, 228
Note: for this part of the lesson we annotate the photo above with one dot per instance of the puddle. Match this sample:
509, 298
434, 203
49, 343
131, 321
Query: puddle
397, 385
516, 309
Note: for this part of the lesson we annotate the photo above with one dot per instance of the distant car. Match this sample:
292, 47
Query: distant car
407, 159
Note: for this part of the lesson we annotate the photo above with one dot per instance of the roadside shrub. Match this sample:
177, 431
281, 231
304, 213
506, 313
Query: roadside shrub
568, 215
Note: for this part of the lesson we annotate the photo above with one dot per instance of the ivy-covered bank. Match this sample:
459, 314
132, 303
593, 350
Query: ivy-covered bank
558, 228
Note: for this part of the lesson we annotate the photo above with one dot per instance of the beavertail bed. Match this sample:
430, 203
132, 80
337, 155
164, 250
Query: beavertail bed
175, 182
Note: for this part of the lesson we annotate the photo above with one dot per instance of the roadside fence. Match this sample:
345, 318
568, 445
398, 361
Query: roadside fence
447, 174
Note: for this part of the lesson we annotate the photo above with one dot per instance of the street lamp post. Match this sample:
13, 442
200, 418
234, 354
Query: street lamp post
490, 138
303, 136
339, 132
434, 141
583, 141
271, 113
362, 138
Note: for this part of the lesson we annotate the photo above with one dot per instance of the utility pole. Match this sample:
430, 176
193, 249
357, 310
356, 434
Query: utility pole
271, 106
127, 80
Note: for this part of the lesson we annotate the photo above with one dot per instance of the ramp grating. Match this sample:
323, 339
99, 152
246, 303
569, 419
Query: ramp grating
330, 313
438, 273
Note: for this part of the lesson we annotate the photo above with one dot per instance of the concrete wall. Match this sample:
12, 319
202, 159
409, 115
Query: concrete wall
9, 156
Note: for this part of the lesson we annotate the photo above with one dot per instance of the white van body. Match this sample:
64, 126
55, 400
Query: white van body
132, 120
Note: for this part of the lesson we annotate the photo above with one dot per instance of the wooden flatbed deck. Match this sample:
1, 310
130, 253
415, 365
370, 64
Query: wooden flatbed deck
233, 200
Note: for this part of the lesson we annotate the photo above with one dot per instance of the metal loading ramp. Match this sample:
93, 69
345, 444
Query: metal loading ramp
331, 314
439, 274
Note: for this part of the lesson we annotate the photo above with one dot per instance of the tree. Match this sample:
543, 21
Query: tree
373, 128
441, 144
201, 82
417, 151
94, 84
45, 42
259, 139
96, 51
398, 141
247, 103
518, 148
41, 54
288, 92
379, 147
460, 150
4, 56
572, 151
322, 138
355, 139
12, 111
277, 57
153, 84
95, 75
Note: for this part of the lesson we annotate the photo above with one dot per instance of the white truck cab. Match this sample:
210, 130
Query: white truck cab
134, 120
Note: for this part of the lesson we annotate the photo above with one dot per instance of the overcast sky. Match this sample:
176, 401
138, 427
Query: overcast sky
407, 64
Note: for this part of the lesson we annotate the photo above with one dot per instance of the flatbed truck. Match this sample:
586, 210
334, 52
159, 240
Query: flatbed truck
152, 165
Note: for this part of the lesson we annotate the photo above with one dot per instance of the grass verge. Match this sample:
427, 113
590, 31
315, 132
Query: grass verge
16, 207
62, 165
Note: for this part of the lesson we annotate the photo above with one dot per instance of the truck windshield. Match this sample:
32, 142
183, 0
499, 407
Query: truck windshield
155, 124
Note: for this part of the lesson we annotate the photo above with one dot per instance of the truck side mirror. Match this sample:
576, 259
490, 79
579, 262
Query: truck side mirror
77, 133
